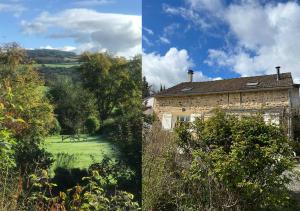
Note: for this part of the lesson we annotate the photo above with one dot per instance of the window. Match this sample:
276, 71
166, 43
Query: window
186, 89
183, 118
252, 83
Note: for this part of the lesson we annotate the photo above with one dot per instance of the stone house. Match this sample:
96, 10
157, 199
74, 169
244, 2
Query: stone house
275, 96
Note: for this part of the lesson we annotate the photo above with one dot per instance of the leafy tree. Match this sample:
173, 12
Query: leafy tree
73, 104
24, 99
110, 79
92, 124
56, 128
145, 88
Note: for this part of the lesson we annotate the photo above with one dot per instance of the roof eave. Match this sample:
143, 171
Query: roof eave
224, 92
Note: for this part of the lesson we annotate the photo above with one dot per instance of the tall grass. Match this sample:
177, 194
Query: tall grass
65, 160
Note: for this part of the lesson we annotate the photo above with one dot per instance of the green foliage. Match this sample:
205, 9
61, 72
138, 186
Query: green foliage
227, 163
92, 194
30, 112
112, 88
114, 81
92, 124
119, 174
56, 128
145, 88
6, 144
159, 175
73, 104
45, 56
116, 84
246, 157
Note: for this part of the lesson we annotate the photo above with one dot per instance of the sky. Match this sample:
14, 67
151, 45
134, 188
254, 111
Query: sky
219, 39
73, 25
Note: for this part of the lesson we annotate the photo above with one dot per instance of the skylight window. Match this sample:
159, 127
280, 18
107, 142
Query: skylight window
186, 89
252, 83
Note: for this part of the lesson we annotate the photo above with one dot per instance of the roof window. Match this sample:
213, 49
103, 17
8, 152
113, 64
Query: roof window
186, 89
252, 84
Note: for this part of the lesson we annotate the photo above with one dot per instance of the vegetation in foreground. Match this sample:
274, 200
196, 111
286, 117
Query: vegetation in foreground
220, 164
29, 113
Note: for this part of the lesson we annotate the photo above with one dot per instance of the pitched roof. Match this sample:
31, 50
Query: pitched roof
230, 85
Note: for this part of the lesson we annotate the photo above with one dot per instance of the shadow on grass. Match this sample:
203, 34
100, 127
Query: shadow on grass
68, 178
85, 139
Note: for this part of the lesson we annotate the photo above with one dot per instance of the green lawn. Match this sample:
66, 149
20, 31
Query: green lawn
65, 65
80, 153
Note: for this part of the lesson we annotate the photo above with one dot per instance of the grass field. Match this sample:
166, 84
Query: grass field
65, 65
80, 153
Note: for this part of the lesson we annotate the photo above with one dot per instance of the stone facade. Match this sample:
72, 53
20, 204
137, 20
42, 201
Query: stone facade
277, 105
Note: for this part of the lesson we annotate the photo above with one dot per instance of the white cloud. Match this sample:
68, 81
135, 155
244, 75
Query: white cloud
149, 31
251, 25
164, 40
65, 48
15, 9
209, 5
168, 69
188, 14
168, 32
118, 33
267, 36
260, 35
147, 41
171, 29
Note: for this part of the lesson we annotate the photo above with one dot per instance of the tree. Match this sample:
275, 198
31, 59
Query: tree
24, 99
92, 124
145, 88
110, 80
73, 104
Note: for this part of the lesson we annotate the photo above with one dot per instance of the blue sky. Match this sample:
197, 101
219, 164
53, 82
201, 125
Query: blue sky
73, 24
219, 39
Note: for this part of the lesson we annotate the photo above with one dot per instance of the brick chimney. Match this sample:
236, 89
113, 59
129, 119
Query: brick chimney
278, 72
190, 75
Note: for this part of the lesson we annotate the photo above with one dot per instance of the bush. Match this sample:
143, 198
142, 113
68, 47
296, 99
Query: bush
92, 124
56, 128
221, 164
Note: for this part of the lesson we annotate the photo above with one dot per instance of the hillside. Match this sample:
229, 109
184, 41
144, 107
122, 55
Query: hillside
47, 56
54, 63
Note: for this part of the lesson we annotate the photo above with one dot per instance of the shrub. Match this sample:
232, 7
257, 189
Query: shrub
89, 194
56, 128
242, 159
92, 124
222, 163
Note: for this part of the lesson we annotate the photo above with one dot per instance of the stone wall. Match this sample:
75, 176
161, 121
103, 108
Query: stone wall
201, 104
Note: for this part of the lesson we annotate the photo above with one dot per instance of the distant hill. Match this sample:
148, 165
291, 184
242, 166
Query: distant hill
47, 56
54, 63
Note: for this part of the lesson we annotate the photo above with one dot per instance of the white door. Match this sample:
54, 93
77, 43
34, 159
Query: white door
167, 121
